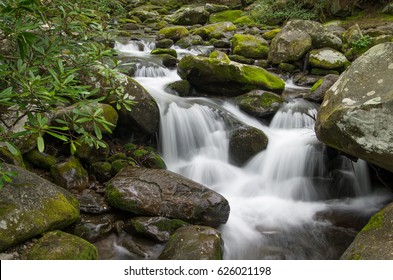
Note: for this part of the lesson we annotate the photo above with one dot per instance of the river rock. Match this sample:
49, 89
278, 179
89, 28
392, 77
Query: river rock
58, 245
374, 241
92, 202
318, 90
194, 243
249, 46
259, 103
41, 160
156, 228
325, 39
222, 77
70, 174
327, 58
215, 8
356, 114
245, 142
31, 205
216, 30
93, 227
92, 154
228, 15
190, 16
189, 41
180, 88
157, 192
173, 32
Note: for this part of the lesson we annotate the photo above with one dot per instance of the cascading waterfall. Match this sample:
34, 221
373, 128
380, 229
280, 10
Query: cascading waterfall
277, 197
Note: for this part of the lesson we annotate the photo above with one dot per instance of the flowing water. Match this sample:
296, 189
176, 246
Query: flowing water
289, 201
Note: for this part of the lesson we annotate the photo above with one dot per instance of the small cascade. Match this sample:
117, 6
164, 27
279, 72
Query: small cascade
151, 71
135, 48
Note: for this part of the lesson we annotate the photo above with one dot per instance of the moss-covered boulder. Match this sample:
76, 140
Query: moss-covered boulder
145, 156
156, 228
164, 43
190, 16
216, 30
228, 15
245, 142
356, 116
249, 46
180, 88
158, 192
189, 41
327, 39
8, 157
173, 32
91, 154
269, 35
102, 171
171, 52
327, 58
31, 205
223, 77
318, 90
215, 8
259, 103
374, 241
58, 245
70, 174
194, 243
41, 160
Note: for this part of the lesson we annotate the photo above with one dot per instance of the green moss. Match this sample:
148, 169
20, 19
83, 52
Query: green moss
174, 32
140, 153
260, 76
116, 157
7, 157
220, 56
271, 34
214, 30
115, 199
171, 52
119, 164
245, 20
265, 100
287, 67
375, 222
41, 160
170, 225
129, 147
316, 85
70, 174
228, 15
249, 46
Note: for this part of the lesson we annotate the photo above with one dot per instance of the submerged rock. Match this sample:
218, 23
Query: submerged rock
222, 77
194, 243
31, 205
58, 245
157, 192
356, 115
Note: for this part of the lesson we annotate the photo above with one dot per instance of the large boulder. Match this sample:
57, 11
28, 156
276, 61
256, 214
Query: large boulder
249, 46
174, 33
356, 115
58, 245
374, 241
259, 103
222, 77
216, 30
190, 16
31, 205
157, 192
327, 58
194, 243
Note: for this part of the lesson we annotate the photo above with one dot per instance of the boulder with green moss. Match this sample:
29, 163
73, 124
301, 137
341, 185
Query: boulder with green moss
259, 103
70, 174
222, 77
249, 46
215, 8
31, 205
102, 171
171, 52
269, 35
158, 192
180, 88
216, 30
190, 16
156, 228
41, 160
374, 241
147, 157
173, 32
58, 245
318, 90
356, 115
11, 158
228, 15
189, 41
327, 58
91, 153
194, 243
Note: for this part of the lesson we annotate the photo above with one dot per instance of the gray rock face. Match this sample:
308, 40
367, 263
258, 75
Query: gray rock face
327, 58
374, 242
70, 174
356, 115
31, 205
194, 243
318, 90
190, 16
155, 192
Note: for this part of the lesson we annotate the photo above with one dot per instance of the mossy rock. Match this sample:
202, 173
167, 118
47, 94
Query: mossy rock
241, 59
287, 67
249, 46
219, 56
58, 245
70, 174
189, 41
216, 30
164, 43
8, 157
92, 153
259, 103
173, 32
318, 90
190, 16
327, 58
93, 227
269, 35
102, 171
228, 15
171, 52
245, 21
215, 8
148, 158
119, 164
180, 88
41, 160
31, 205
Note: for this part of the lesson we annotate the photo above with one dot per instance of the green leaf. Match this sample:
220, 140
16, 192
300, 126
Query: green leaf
11, 147
97, 131
73, 148
58, 136
40, 144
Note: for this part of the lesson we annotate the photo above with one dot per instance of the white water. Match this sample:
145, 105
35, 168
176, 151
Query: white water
275, 197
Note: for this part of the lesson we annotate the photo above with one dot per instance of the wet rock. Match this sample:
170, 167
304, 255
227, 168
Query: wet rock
41, 160
156, 228
356, 114
327, 58
190, 16
93, 227
92, 154
145, 156
318, 90
222, 77
194, 243
374, 242
249, 46
189, 41
58, 245
70, 174
157, 192
165, 43
259, 103
91, 202
180, 88
31, 205
174, 33
170, 52
168, 60
101, 171
245, 142
216, 30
